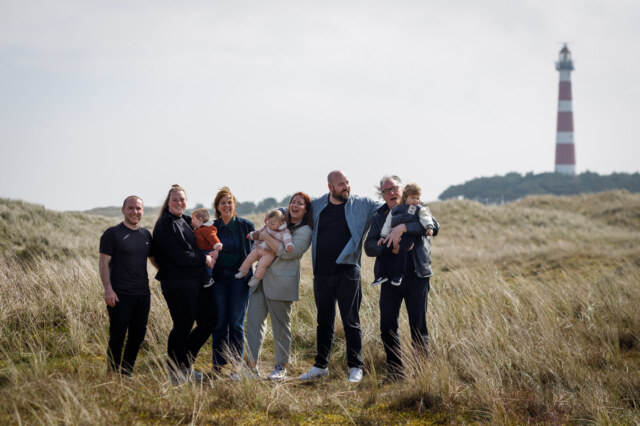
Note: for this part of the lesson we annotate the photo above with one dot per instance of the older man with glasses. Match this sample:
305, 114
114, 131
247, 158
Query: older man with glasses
414, 288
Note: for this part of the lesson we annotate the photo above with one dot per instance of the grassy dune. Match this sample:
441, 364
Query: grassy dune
533, 317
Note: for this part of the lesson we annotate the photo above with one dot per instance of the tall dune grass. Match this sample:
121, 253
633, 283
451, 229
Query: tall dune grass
533, 317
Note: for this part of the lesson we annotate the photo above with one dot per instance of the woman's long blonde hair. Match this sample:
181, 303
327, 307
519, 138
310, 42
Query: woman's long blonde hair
165, 206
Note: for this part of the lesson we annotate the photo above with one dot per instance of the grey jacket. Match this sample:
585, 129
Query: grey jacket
421, 253
358, 212
281, 279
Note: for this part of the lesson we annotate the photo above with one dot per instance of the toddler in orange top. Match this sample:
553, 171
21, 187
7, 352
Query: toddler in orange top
206, 239
276, 226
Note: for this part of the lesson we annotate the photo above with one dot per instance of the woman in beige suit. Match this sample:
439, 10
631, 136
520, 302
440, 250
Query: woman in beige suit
275, 295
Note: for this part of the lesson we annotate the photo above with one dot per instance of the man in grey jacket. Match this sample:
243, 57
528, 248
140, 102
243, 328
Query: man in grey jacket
341, 221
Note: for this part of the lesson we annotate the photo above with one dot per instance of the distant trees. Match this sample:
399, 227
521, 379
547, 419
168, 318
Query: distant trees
243, 208
196, 207
498, 189
270, 203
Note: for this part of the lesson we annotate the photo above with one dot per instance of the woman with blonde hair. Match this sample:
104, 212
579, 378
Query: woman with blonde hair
181, 271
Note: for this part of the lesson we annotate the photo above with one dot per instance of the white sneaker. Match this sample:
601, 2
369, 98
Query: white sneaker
240, 274
254, 281
279, 373
315, 373
355, 375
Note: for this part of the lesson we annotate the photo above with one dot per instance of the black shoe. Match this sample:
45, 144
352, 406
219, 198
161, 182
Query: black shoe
397, 280
379, 281
208, 282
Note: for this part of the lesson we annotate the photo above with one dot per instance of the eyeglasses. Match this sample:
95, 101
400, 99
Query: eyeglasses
388, 190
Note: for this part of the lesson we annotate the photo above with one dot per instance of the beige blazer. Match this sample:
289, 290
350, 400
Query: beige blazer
281, 280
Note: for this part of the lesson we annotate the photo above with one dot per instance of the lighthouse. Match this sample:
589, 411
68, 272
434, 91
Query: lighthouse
565, 148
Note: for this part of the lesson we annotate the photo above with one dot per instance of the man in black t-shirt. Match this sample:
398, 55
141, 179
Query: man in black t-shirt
124, 250
340, 222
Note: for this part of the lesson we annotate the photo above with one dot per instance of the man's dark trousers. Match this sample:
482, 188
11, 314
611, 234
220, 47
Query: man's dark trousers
414, 291
344, 288
131, 314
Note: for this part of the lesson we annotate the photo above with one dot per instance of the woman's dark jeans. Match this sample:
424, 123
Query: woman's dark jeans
231, 297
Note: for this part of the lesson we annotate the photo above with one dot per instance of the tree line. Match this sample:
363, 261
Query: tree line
512, 186
249, 207
243, 208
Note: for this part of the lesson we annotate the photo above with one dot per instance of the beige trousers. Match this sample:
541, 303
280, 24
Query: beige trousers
280, 312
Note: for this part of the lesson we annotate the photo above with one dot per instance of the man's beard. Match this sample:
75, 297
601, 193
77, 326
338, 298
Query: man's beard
341, 196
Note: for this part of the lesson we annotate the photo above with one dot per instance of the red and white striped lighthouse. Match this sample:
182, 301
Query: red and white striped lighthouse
565, 149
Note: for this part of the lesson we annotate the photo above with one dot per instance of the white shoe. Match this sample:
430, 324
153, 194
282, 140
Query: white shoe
240, 274
254, 281
355, 375
279, 373
315, 373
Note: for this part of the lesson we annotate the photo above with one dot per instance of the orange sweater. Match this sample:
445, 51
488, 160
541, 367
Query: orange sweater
207, 237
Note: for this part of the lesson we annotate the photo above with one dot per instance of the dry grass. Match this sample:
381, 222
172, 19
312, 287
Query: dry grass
533, 317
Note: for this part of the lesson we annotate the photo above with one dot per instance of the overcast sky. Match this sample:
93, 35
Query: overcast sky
102, 99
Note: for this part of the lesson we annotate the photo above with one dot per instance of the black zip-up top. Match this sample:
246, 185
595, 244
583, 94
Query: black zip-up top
175, 249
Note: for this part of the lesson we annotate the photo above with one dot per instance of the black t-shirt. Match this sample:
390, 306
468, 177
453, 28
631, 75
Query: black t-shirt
333, 236
129, 250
